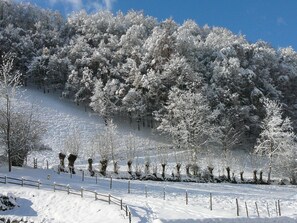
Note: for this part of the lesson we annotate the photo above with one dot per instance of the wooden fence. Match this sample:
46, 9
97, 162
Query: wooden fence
62, 187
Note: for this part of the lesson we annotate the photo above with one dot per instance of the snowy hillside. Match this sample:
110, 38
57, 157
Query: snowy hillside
148, 201
62, 117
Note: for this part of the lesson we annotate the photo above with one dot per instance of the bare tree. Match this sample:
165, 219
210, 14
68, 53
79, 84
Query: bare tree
9, 81
72, 144
111, 139
103, 150
277, 139
163, 158
130, 144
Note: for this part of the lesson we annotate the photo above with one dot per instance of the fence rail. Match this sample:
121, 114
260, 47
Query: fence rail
62, 187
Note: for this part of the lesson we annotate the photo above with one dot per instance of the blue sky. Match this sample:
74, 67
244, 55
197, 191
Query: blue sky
274, 21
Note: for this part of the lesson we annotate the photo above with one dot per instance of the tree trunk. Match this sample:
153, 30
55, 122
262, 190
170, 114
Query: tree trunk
147, 168
178, 166
9, 153
188, 170
115, 167
255, 179
228, 173
129, 163
261, 176
62, 163
210, 170
90, 167
241, 176
71, 160
103, 168
269, 174
163, 169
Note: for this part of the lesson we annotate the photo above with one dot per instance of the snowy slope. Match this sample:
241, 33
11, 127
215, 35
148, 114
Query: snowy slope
63, 117
146, 199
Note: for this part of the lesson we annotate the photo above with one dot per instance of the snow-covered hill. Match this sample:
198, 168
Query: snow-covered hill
62, 117
148, 201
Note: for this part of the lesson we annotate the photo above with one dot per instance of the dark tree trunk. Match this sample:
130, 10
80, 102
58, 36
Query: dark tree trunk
228, 173
188, 170
62, 162
147, 168
90, 167
71, 160
255, 179
129, 163
115, 167
210, 170
261, 176
241, 176
103, 166
178, 166
163, 169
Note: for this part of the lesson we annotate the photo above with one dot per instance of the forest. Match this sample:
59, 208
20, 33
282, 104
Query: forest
198, 85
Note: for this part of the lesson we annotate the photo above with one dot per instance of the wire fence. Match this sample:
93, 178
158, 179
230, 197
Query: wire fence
110, 199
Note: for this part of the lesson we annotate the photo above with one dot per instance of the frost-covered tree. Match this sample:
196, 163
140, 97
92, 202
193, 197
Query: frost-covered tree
187, 119
277, 139
110, 135
100, 102
9, 81
72, 146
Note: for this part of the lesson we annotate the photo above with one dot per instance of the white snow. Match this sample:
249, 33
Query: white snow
146, 198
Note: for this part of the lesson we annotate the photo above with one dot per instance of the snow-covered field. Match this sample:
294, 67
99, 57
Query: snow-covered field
148, 201
44, 205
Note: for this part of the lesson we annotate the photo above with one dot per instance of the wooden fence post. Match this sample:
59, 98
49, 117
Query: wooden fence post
268, 210
246, 209
5, 179
129, 187
109, 198
279, 208
257, 209
276, 208
126, 210
83, 176
38, 184
82, 192
22, 181
54, 186
121, 204
130, 218
47, 164
96, 196
237, 207
145, 190
110, 184
186, 197
68, 189
96, 178
210, 201
70, 170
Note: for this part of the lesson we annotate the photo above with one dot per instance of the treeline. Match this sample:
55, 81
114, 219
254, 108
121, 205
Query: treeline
186, 76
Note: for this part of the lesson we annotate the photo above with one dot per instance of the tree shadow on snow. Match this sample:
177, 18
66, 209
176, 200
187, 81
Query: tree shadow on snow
233, 220
23, 209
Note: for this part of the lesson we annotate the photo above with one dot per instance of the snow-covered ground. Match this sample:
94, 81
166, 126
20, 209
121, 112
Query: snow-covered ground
44, 205
146, 200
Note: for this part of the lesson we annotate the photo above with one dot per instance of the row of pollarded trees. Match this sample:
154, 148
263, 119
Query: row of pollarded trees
20, 131
276, 144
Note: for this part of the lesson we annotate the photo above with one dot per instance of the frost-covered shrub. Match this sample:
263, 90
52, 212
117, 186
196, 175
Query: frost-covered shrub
7, 201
